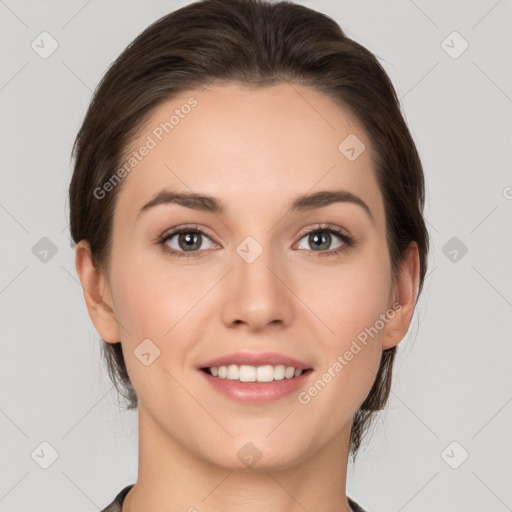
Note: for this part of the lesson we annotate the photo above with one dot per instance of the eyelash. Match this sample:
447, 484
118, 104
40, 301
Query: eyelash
348, 241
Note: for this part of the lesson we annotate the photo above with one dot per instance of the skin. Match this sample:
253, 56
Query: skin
255, 150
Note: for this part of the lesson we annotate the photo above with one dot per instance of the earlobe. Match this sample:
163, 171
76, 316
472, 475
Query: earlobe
405, 293
96, 293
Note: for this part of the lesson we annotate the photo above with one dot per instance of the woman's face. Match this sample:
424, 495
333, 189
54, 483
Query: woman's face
262, 278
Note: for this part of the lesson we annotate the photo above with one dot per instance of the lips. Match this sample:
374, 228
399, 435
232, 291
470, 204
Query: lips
253, 359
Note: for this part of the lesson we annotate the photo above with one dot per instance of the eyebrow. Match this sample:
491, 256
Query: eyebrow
211, 204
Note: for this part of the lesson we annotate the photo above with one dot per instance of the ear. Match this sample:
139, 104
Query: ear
404, 295
96, 293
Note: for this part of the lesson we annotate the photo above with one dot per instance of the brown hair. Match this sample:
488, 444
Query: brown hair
255, 43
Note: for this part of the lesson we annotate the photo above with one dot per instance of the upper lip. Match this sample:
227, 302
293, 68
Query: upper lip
252, 359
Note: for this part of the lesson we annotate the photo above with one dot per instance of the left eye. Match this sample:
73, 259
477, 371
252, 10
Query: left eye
321, 239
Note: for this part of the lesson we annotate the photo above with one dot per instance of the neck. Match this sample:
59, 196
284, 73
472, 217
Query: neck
172, 478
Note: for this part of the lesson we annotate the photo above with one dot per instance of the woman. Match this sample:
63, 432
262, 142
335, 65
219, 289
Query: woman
247, 205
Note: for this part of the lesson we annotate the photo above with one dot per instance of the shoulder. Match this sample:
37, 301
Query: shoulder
117, 504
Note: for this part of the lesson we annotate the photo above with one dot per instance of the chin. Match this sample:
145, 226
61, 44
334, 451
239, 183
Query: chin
257, 456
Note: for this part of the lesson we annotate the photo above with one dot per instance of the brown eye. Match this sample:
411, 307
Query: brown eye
185, 240
321, 239
189, 241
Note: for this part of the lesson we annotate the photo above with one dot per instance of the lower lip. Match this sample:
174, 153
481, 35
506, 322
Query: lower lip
257, 392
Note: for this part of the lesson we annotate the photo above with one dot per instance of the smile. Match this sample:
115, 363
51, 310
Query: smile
246, 373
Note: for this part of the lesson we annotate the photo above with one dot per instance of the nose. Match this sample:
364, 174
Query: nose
256, 293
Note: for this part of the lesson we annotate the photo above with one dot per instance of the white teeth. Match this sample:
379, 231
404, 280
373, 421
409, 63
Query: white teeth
289, 372
246, 373
233, 372
265, 373
279, 372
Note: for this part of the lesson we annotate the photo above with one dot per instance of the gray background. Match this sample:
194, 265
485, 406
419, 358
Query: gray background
452, 381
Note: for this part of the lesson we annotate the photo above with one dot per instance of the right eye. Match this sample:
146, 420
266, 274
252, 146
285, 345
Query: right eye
187, 242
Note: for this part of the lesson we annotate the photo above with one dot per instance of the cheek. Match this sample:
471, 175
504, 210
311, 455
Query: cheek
350, 301
351, 296
349, 360
149, 298
149, 305
163, 305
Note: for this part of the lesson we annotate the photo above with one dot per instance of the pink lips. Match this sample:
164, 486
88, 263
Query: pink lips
261, 359
257, 392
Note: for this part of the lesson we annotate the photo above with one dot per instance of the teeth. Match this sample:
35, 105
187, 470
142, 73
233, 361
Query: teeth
265, 373
233, 372
246, 373
279, 372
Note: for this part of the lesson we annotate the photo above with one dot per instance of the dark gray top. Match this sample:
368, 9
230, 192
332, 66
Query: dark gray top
116, 505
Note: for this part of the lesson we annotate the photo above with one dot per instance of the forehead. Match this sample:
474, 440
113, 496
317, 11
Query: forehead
251, 147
